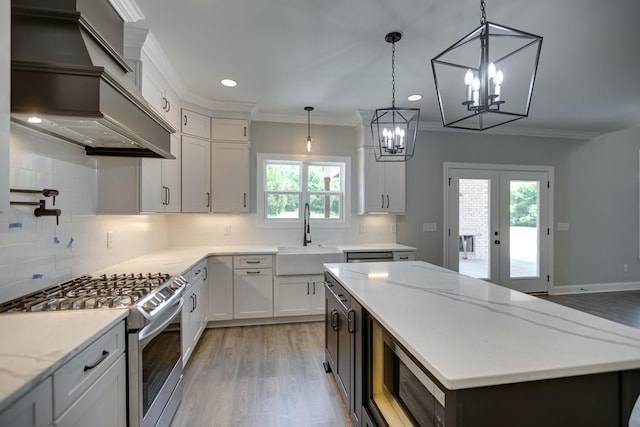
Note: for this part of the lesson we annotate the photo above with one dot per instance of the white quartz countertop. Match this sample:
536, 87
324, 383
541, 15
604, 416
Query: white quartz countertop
179, 259
471, 333
34, 345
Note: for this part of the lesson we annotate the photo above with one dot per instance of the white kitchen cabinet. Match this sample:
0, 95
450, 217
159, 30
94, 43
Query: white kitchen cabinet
196, 174
103, 403
160, 182
34, 409
195, 124
194, 311
220, 285
156, 91
229, 129
381, 185
229, 177
252, 286
298, 295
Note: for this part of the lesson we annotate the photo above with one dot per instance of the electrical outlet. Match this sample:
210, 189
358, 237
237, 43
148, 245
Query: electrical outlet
362, 229
393, 228
109, 239
227, 229
625, 268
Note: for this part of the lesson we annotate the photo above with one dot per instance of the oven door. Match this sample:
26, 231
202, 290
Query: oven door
155, 369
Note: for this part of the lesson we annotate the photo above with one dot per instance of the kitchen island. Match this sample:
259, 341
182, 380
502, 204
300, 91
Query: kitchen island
495, 350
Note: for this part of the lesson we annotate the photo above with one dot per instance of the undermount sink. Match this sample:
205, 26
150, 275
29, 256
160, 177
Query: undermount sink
305, 259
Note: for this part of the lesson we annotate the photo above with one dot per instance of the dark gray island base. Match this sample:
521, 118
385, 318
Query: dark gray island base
384, 384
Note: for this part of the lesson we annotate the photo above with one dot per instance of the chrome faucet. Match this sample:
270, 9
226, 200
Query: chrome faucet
306, 231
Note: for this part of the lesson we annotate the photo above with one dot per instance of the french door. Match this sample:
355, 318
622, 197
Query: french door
497, 224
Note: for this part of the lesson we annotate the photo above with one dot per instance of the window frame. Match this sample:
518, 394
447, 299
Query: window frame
304, 161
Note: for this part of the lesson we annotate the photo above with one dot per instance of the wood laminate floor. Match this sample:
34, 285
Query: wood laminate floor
268, 375
621, 307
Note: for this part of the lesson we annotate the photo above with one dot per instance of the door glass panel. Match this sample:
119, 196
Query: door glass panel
524, 224
474, 233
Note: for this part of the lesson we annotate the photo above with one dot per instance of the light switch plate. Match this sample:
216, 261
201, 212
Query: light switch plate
563, 226
429, 226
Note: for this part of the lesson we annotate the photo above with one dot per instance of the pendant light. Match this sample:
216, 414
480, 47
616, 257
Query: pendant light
486, 79
394, 130
308, 110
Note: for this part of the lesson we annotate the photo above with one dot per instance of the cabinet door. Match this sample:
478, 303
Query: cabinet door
292, 295
331, 320
172, 108
196, 124
104, 403
229, 177
252, 293
196, 321
230, 129
355, 328
196, 195
152, 192
317, 294
220, 284
171, 177
153, 88
394, 180
371, 186
35, 409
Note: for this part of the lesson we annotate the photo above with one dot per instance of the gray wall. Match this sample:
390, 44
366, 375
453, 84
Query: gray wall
287, 138
596, 192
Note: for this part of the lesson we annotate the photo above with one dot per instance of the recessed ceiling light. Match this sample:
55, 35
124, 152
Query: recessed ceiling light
416, 97
228, 82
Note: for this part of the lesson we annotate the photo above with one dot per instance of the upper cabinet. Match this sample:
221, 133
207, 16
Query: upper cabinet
381, 185
229, 129
156, 91
196, 174
195, 124
160, 181
229, 177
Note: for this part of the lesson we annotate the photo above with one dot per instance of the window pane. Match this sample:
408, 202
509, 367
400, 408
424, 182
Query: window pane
283, 206
524, 229
281, 177
325, 206
324, 178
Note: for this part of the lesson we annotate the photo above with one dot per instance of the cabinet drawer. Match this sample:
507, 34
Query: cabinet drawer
77, 375
253, 261
404, 256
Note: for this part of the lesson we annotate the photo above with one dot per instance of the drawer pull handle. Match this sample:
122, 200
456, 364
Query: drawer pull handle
253, 272
105, 354
253, 262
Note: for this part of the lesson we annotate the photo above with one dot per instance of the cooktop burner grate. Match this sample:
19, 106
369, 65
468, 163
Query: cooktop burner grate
87, 292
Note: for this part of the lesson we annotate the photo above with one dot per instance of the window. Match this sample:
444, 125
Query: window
288, 182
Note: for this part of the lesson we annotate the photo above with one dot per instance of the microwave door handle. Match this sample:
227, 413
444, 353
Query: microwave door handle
147, 335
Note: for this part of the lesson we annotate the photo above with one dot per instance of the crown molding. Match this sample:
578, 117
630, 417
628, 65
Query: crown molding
316, 118
128, 10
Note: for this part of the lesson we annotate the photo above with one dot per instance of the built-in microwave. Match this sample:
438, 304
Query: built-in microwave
400, 392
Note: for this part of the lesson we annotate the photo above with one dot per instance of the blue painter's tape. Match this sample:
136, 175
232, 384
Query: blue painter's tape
70, 244
37, 276
15, 225
56, 240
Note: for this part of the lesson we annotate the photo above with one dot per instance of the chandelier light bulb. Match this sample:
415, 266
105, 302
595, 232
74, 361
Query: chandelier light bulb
499, 77
492, 70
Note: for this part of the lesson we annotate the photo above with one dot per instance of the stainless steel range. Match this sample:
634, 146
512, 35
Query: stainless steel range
153, 333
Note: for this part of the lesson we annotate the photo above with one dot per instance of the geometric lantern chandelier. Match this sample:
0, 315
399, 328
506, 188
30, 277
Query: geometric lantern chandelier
486, 79
394, 130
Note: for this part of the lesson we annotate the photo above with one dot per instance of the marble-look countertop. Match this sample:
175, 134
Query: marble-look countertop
34, 345
471, 333
179, 259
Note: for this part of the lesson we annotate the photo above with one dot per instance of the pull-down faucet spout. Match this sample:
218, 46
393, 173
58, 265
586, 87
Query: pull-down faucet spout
306, 229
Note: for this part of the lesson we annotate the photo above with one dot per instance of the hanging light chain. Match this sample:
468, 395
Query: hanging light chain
483, 20
393, 74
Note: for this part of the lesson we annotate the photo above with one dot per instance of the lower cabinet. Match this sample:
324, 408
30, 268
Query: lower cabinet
343, 341
103, 404
220, 284
88, 390
298, 295
252, 293
194, 310
35, 409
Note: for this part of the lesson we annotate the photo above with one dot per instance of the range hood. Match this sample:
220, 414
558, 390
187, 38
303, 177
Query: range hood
67, 71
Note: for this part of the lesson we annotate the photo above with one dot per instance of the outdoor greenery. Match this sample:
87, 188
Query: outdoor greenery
284, 190
524, 204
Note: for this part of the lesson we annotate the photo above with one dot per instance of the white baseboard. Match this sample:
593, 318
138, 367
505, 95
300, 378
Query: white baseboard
595, 287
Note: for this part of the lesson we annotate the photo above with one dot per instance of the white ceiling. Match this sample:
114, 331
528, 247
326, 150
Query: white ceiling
331, 54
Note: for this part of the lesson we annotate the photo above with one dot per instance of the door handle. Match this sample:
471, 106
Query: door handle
185, 119
497, 242
308, 288
208, 199
387, 201
335, 320
382, 204
351, 314
245, 200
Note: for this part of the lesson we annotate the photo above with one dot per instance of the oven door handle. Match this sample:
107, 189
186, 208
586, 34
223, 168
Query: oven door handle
145, 334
